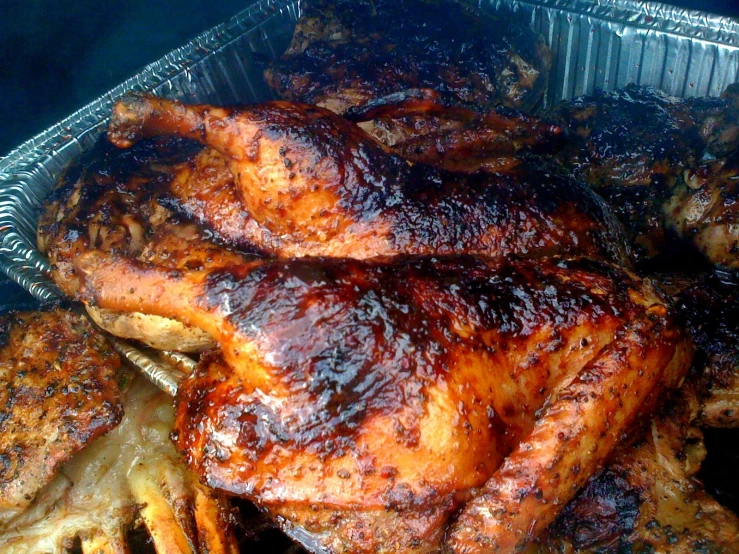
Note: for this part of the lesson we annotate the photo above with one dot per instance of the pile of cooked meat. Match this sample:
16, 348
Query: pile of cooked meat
427, 316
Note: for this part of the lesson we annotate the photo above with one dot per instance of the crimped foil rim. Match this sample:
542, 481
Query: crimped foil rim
656, 16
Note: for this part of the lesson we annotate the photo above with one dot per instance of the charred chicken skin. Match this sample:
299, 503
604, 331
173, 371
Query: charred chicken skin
364, 401
710, 310
58, 391
346, 53
633, 165
306, 182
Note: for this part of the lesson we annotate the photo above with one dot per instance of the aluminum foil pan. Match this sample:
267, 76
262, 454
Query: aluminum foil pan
595, 44
607, 44
215, 67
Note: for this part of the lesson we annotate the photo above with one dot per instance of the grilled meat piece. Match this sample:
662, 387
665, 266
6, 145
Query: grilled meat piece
365, 400
711, 312
647, 499
109, 199
632, 146
309, 183
346, 53
704, 210
418, 127
58, 391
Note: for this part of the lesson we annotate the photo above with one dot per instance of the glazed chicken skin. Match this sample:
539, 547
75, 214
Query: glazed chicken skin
309, 183
58, 391
111, 199
365, 401
346, 53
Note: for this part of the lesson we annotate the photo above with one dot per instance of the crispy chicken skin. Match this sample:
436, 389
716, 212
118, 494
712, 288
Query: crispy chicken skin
58, 391
309, 183
633, 145
345, 53
365, 400
110, 199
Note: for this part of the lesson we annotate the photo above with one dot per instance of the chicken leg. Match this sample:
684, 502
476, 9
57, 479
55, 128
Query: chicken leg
313, 184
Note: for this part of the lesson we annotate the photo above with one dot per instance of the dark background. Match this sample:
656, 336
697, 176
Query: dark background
57, 56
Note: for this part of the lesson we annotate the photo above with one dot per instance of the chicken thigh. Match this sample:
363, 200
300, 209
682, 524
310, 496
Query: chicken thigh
362, 402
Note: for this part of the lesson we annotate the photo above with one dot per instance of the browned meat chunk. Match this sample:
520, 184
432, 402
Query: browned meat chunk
345, 53
58, 391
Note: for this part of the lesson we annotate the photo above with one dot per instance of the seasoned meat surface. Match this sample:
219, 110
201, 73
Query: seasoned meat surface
58, 390
110, 199
365, 400
633, 145
345, 53
648, 499
710, 309
704, 211
306, 182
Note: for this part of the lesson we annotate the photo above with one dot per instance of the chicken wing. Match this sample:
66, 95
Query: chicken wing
58, 390
362, 402
309, 183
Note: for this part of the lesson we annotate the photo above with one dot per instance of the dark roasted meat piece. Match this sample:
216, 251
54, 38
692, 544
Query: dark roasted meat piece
704, 211
633, 146
309, 183
58, 390
648, 499
364, 401
110, 199
710, 309
347, 52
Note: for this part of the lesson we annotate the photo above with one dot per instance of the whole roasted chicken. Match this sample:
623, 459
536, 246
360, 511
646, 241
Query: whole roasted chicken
364, 402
